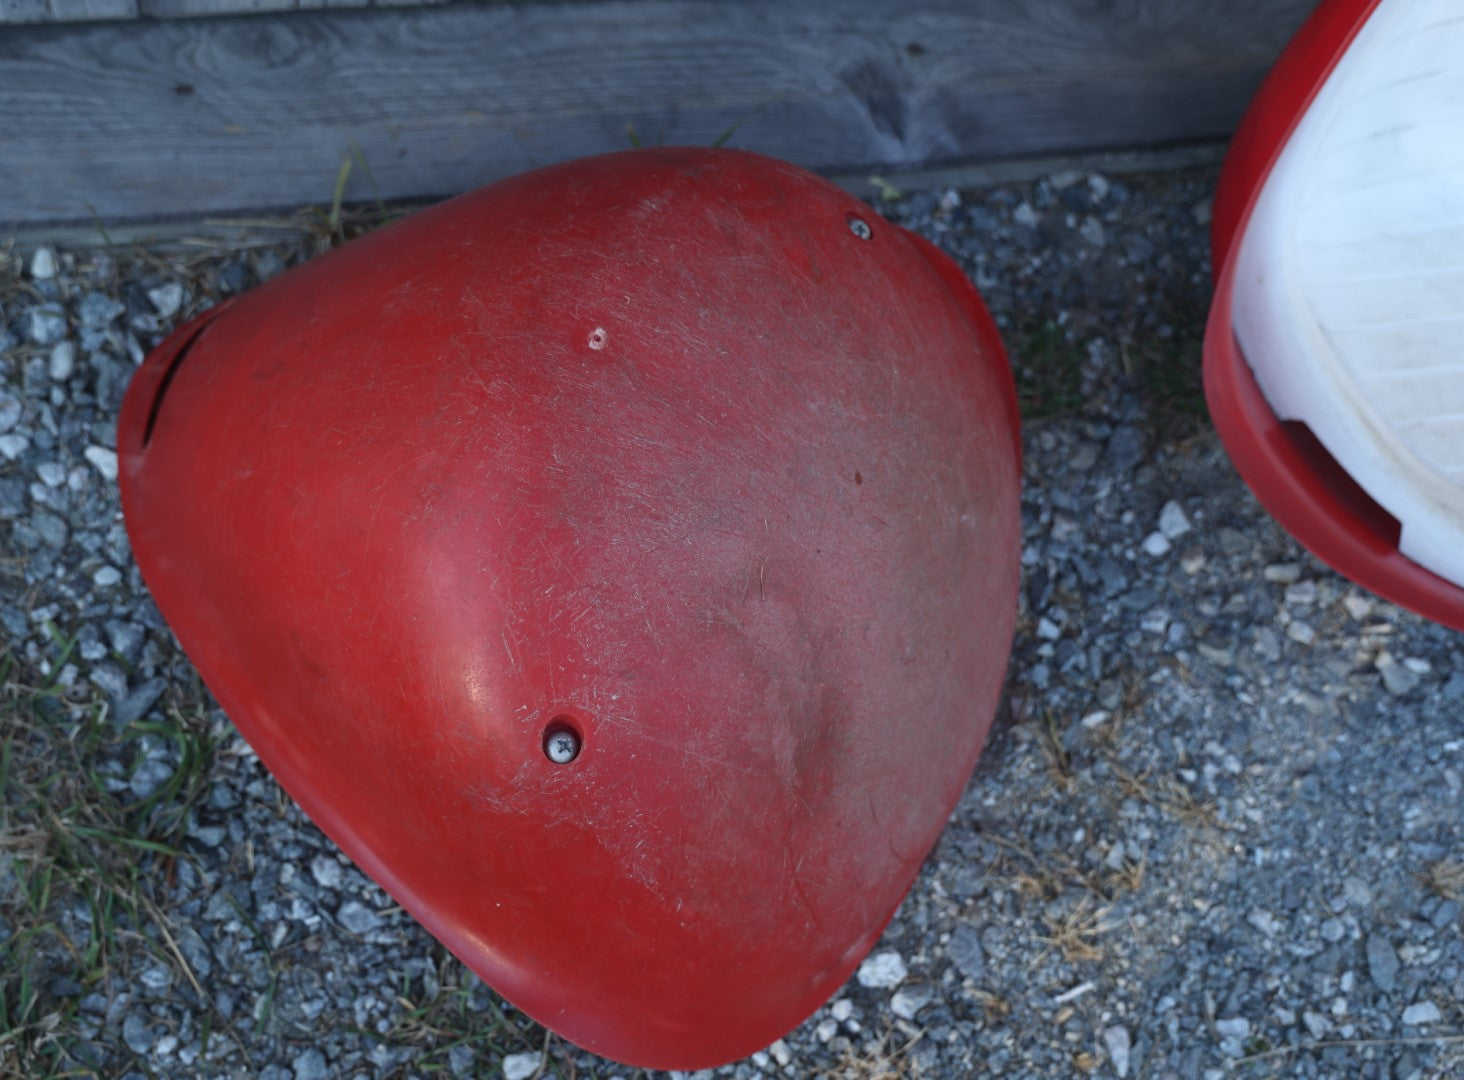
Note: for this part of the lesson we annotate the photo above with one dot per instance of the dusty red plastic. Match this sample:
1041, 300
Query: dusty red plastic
1291, 474
684, 450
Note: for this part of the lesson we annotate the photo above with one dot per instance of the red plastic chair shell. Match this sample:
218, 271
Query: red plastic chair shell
685, 452
1292, 476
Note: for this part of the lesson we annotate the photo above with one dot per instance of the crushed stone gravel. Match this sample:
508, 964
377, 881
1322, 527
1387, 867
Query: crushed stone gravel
1216, 831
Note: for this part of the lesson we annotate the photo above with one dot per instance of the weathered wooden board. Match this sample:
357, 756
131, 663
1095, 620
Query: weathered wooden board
24, 11
129, 120
47, 11
86, 10
189, 9
233, 232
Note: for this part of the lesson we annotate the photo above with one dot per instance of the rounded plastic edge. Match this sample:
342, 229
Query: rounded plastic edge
1277, 107
985, 326
1309, 495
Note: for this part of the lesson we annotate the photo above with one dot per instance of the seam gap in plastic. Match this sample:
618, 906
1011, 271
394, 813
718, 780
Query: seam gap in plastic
1347, 491
167, 380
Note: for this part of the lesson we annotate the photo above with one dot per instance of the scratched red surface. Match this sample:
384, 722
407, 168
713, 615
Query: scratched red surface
663, 448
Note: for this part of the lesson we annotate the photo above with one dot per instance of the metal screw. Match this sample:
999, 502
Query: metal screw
561, 746
860, 228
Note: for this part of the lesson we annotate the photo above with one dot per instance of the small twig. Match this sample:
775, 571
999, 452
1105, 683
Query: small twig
1075, 993
543, 1055
161, 922
1323, 1044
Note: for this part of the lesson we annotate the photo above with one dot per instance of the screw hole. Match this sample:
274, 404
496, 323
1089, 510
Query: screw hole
859, 227
561, 741
598, 338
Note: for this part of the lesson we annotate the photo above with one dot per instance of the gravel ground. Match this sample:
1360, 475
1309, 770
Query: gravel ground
1216, 831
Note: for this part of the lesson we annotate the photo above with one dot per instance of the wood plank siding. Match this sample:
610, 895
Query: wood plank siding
142, 117
46, 11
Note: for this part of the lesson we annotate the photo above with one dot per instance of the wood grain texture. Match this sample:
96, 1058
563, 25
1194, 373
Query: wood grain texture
85, 10
177, 117
25, 12
192, 9
182, 9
